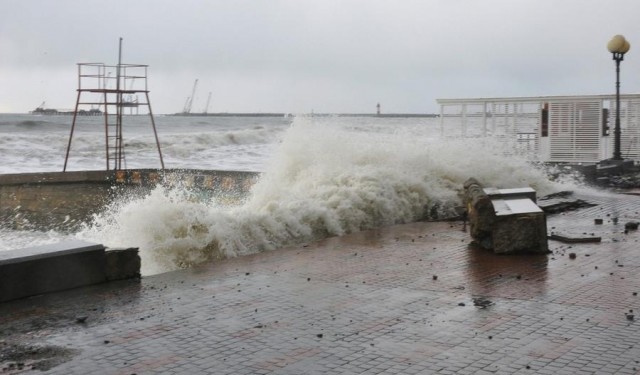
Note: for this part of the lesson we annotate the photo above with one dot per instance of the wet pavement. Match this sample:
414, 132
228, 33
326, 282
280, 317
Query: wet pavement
408, 299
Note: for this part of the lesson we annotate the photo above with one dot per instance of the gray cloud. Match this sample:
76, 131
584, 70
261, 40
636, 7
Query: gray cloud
329, 55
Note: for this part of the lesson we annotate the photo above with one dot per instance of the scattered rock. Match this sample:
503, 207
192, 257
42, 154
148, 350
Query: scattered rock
629, 316
482, 302
435, 277
631, 225
572, 255
319, 335
81, 319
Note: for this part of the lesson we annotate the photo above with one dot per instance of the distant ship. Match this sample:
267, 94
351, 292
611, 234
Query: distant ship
41, 110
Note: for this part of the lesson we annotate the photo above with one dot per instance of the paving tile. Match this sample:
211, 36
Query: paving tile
363, 303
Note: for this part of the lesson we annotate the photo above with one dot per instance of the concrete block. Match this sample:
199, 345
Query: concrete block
42, 269
520, 226
122, 264
515, 193
505, 220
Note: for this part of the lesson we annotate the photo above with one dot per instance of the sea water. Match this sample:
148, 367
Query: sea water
320, 177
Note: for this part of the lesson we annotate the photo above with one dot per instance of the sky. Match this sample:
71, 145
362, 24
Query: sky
325, 56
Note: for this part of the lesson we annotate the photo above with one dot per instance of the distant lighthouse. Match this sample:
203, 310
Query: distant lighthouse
378, 109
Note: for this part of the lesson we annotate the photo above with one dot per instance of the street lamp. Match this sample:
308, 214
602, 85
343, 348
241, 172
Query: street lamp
618, 46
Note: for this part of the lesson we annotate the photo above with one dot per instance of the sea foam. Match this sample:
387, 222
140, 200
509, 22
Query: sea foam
326, 178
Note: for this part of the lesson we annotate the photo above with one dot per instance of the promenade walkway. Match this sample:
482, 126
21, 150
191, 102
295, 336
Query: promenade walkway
408, 299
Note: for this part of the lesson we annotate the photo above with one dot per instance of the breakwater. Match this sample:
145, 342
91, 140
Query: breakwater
283, 114
64, 200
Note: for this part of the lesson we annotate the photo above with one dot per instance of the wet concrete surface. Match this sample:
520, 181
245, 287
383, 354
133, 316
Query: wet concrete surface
408, 299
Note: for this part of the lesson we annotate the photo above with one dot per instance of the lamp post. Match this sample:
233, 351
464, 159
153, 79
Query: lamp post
618, 46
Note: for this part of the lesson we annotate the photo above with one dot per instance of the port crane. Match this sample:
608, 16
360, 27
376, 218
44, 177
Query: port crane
189, 102
206, 109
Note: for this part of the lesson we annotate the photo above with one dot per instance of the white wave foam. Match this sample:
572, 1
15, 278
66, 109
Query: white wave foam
13, 240
325, 179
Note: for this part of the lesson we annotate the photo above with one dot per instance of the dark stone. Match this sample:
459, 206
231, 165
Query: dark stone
631, 225
121, 264
482, 302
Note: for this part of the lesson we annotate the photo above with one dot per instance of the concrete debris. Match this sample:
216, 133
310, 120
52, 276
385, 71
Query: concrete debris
567, 239
504, 222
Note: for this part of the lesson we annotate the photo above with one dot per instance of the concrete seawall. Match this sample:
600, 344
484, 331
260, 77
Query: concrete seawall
63, 200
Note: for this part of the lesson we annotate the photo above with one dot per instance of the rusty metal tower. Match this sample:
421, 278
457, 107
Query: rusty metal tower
108, 90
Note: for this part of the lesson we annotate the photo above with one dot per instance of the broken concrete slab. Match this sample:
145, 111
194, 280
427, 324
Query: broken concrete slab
573, 239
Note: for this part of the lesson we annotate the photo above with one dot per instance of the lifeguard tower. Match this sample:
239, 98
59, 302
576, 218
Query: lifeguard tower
108, 90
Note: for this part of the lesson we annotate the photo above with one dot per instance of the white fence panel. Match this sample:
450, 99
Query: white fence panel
575, 130
548, 128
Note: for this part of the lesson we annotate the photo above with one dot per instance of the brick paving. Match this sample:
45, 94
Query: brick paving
408, 299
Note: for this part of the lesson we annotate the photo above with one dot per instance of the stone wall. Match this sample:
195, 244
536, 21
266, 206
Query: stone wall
63, 200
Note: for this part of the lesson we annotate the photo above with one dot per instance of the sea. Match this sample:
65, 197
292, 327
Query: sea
321, 176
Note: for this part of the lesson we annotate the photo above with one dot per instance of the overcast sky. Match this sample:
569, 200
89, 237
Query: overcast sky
322, 55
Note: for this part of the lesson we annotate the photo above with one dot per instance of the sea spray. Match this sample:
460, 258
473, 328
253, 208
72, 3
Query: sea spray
327, 178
